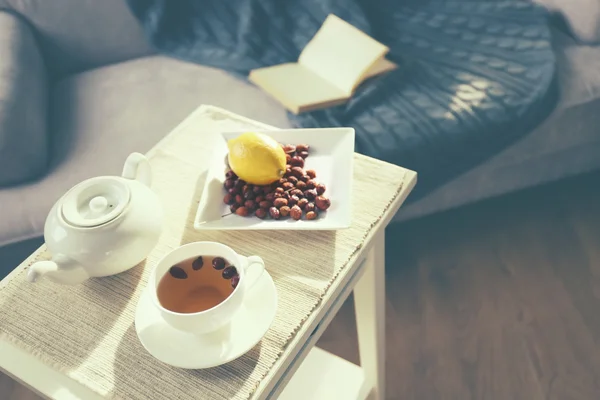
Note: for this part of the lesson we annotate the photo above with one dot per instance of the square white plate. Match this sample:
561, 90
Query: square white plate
331, 156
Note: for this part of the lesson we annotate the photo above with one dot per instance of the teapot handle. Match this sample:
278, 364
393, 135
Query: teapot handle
137, 167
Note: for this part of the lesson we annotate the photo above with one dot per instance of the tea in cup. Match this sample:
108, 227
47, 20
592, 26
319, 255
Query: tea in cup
200, 286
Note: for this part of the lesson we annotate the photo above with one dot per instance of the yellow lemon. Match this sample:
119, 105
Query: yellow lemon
256, 158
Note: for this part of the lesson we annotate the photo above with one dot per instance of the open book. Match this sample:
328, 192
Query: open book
330, 68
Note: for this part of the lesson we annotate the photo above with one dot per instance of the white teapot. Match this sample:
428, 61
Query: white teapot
102, 226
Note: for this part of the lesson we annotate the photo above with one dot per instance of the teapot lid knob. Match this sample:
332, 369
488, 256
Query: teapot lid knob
95, 201
98, 204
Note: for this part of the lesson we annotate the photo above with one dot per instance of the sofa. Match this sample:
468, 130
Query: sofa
80, 89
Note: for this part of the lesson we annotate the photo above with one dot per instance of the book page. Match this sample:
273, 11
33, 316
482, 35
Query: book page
297, 88
382, 65
341, 54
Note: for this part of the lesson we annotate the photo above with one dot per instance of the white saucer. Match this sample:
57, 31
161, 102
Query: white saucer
186, 350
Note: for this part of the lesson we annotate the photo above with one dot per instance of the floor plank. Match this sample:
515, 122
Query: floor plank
499, 300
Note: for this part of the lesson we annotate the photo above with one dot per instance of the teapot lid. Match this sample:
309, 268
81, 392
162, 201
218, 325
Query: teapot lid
95, 201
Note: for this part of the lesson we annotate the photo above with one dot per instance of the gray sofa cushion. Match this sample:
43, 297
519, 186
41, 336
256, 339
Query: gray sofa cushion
100, 116
23, 103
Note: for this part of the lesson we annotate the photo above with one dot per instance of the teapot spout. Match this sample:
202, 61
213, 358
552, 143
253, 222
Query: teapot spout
60, 269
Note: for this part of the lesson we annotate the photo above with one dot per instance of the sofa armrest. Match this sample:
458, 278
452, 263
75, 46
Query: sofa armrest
23, 103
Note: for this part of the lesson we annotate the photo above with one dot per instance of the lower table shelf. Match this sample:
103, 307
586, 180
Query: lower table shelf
323, 376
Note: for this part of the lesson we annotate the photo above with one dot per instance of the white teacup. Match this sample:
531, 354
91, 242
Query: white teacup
249, 269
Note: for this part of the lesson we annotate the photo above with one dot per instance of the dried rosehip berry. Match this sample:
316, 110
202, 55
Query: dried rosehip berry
309, 207
235, 280
322, 203
311, 184
293, 200
230, 175
267, 190
249, 195
297, 161
321, 188
177, 272
218, 263
270, 196
229, 272
284, 211
301, 185
292, 179
229, 183
280, 202
259, 198
261, 213
239, 199
303, 154
281, 181
257, 190
288, 171
305, 178
234, 207
228, 199
287, 158
302, 147
242, 211
250, 204
296, 213
298, 172
310, 194
289, 148
239, 184
288, 186
311, 173
279, 190
311, 215
297, 192
233, 191
274, 212
197, 263
266, 204
302, 203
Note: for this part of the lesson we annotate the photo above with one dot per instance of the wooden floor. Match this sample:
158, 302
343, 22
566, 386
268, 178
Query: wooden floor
496, 301
500, 300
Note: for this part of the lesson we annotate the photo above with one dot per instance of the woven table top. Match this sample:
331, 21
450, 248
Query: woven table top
87, 332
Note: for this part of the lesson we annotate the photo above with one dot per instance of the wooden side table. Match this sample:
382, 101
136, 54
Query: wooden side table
303, 371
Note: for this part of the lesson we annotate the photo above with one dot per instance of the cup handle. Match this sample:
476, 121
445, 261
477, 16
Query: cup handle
254, 270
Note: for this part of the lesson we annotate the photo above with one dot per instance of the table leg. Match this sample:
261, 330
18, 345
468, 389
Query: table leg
369, 306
